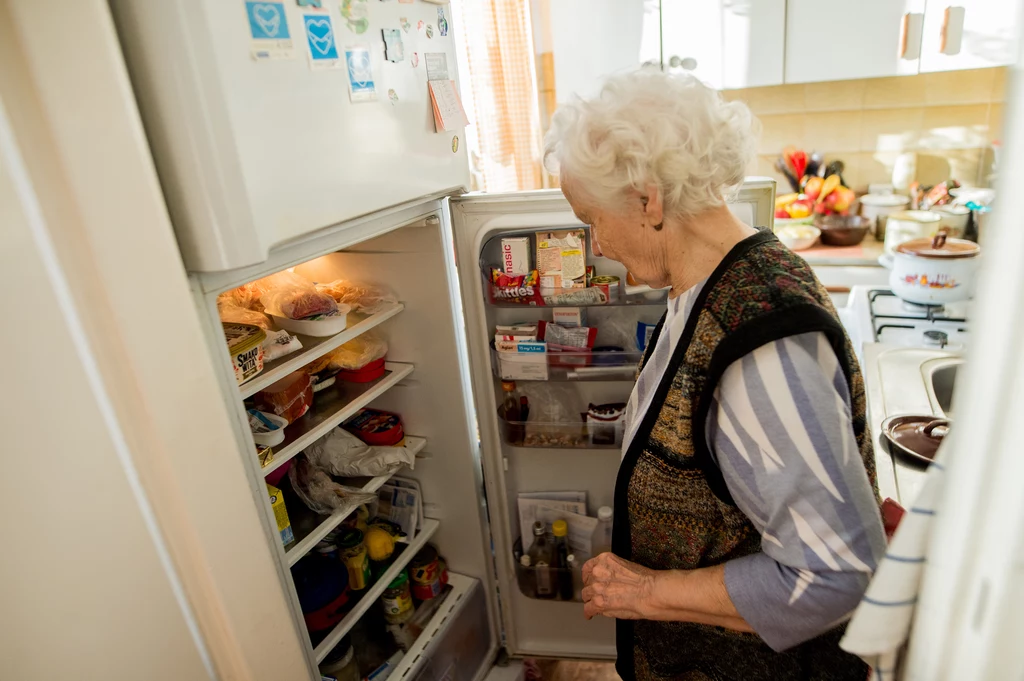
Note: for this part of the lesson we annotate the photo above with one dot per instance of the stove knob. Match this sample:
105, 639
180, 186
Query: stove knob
940, 338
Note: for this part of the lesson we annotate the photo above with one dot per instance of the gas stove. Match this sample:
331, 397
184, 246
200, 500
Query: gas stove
876, 315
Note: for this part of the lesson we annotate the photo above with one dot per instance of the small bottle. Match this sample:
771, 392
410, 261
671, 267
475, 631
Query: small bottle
576, 571
542, 558
527, 582
603, 534
510, 412
560, 529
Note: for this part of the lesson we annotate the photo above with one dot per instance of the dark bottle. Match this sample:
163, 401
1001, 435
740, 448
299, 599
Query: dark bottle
562, 572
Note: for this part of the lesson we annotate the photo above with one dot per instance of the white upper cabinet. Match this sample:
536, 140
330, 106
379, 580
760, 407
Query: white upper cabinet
969, 34
725, 43
840, 39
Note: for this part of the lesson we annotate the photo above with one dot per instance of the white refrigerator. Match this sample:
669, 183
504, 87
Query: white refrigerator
275, 152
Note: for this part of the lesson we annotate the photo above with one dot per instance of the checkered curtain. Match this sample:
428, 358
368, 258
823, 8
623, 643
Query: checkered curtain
496, 68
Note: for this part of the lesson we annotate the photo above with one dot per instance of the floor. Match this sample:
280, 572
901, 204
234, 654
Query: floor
563, 670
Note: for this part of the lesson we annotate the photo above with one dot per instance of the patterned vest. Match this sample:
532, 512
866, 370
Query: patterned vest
678, 513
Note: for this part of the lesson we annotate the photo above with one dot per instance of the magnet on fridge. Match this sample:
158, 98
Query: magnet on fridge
430, 31
455, 144
355, 15
404, 21
361, 87
323, 50
393, 96
442, 22
268, 31
420, 26
415, 59
311, 3
394, 50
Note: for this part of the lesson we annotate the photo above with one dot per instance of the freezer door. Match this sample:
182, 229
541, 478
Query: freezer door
253, 152
532, 626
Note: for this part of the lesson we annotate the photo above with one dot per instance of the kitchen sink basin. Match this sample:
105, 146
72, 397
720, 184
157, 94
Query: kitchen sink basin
941, 382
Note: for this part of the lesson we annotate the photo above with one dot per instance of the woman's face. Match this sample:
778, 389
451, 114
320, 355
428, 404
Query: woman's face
626, 235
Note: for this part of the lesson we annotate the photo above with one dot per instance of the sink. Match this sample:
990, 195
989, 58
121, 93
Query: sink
940, 380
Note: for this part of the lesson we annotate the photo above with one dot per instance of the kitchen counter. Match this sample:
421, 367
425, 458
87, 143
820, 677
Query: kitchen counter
864, 254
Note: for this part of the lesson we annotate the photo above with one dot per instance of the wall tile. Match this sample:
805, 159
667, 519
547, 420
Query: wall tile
955, 127
847, 95
779, 131
891, 129
888, 93
776, 99
832, 132
974, 86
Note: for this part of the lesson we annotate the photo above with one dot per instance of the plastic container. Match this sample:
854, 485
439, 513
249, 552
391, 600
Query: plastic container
290, 398
274, 437
327, 326
245, 344
340, 663
323, 592
550, 435
376, 428
365, 374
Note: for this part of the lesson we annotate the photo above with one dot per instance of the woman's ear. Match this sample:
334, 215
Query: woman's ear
654, 209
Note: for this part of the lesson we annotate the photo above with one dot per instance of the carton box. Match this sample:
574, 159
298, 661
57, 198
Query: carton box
522, 360
515, 255
284, 525
569, 316
562, 259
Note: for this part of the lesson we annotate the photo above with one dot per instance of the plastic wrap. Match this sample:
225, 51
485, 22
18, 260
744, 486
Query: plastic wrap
280, 343
319, 492
342, 453
246, 296
364, 298
233, 313
298, 303
290, 398
358, 352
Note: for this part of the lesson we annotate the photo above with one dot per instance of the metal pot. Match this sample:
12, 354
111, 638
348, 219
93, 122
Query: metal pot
934, 271
907, 225
878, 207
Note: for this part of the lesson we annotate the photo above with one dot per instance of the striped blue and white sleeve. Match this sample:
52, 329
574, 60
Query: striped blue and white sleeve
782, 434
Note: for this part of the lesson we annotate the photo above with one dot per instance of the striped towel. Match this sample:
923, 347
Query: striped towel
881, 624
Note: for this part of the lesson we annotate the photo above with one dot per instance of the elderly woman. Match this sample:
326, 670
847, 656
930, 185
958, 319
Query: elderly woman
746, 512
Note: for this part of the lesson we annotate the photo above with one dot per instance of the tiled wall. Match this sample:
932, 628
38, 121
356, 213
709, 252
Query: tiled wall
949, 119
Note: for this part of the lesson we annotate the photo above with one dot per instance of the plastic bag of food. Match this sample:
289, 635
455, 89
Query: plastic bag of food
232, 313
364, 298
358, 352
290, 398
280, 343
319, 492
298, 303
342, 453
246, 296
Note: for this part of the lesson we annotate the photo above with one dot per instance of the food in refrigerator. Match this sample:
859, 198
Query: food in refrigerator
365, 299
290, 397
292, 297
609, 284
515, 332
318, 491
515, 255
522, 360
530, 506
583, 296
357, 560
245, 344
542, 557
323, 591
518, 289
560, 532
267, 429
605, 423
400, 505
511, 413
340, 664
397, 600
569, 316
280, 344
562, 259
427, 574
376, 427
232, 313
284, 525
342, 453
380, 543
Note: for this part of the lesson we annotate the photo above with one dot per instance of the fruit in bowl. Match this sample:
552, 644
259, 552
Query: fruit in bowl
821, 197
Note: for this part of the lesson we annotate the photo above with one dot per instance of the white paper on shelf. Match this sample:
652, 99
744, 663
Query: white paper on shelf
581, 529
528, 514
399, 505
409, 483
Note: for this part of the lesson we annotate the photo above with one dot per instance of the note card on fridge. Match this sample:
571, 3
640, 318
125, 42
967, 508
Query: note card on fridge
448, 111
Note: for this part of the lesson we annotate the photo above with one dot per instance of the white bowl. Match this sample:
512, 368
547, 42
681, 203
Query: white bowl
798, 237
788, 222
320, 328
274, 437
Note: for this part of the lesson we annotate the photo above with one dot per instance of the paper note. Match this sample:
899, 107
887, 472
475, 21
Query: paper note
268, 30
448, 111
437, 65
323, 50
361, 87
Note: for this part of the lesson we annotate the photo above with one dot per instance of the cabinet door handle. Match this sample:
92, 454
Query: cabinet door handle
911, 32
952, 30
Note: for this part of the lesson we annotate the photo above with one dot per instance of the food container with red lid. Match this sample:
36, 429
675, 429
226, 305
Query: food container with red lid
376, 428
364, 374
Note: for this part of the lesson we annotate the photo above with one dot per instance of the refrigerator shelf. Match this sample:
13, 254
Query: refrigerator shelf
565, 366
539, 435
652, 299
314, 347
373, 593
305, 544
330, 408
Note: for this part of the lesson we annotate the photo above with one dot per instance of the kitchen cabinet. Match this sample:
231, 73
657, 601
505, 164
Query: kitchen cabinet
969, 34
840, 40
725, 43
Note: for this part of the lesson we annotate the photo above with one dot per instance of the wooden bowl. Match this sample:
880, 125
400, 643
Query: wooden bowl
842, 230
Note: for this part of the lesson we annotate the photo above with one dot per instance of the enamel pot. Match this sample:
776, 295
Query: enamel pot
934, 271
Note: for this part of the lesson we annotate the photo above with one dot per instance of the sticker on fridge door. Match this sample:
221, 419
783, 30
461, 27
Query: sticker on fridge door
268, 31
394, 50
437, 65
442, 22
361, 87
354, 13
323, 50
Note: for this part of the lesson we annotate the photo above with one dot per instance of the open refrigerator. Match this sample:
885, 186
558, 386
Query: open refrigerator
270, 166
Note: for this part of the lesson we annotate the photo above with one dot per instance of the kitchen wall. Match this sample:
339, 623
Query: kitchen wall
949, 119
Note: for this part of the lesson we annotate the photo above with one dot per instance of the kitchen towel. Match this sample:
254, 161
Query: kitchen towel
881, 624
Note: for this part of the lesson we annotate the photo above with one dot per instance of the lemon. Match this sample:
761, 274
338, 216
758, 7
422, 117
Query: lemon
379, 543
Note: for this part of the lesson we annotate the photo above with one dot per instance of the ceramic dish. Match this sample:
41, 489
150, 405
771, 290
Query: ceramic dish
798, 237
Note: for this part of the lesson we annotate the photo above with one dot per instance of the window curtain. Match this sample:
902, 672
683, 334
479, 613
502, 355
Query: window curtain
499, 88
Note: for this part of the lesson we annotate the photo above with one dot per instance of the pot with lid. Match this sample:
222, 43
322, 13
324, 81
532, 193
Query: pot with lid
916, 437
934, 271
908, 225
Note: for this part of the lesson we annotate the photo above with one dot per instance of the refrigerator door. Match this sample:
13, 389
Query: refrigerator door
532, 626
258, 140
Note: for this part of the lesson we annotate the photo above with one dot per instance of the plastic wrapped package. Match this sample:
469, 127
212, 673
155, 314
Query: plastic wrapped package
246, 296
290, 398
280, 343
342, 453
364, 298
298, 303
232, 313
554, 419
358, 352
319, 492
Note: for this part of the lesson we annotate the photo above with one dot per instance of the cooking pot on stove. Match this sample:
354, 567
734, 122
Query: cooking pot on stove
934, 271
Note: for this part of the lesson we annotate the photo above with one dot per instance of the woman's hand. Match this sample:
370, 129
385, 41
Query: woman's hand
615, 587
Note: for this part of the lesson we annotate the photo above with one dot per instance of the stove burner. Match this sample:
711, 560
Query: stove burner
929, 310
933, 337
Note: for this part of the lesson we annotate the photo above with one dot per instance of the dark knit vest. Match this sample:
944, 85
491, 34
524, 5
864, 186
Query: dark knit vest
673, 508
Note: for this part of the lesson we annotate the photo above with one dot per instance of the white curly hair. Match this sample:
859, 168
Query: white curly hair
648, 127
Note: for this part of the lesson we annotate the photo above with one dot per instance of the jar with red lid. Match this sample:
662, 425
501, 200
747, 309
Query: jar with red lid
377, 428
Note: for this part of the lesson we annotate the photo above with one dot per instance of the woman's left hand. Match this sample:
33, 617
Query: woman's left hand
617, 588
